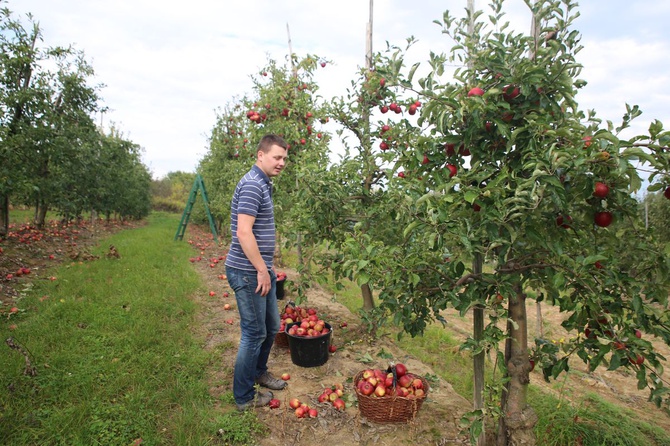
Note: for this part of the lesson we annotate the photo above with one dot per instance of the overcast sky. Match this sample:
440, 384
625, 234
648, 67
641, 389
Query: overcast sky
167, 66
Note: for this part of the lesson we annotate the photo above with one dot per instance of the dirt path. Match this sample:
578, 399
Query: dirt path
435, 424
437, 421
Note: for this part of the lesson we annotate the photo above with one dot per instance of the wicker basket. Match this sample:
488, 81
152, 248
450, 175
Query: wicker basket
390, 408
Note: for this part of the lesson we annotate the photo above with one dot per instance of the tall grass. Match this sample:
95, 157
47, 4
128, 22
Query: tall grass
114, 346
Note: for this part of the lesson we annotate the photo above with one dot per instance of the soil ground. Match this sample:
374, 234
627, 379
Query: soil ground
437, 423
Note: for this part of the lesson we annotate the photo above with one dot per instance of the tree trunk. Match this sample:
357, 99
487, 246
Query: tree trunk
4, 215
366, 292
518, 420
479, 358
41, 213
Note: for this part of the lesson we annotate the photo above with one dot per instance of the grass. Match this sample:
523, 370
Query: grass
587, 422
114, 344
119, 359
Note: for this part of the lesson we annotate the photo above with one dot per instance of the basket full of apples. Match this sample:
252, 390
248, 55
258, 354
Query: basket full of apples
391, 396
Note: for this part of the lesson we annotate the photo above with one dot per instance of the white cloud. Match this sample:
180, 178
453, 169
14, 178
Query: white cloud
168, 66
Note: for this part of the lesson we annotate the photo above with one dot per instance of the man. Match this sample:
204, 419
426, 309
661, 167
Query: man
252, 276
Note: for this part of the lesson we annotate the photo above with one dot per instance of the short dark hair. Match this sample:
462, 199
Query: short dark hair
271, 140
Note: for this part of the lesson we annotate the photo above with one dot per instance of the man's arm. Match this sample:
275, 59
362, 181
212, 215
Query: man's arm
245, 235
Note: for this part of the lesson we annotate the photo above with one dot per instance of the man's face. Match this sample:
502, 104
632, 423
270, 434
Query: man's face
273, 162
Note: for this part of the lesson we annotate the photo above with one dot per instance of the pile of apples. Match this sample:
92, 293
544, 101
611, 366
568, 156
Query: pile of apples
302, 410
306, 322
333, 395
377, 383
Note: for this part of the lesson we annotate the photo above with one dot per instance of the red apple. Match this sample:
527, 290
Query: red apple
332, 348
227, 307
603, 219
380, 390
637, 360
313, 413
400, 370
600, 190
274, 403
510, 92
285, 376
366, 388
476, 91
212, 293
339, 404
294, 403
666, 193
405, 381
453, 170
638, 334
563, 221
587, 141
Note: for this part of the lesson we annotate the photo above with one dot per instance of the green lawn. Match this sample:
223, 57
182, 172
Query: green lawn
115, 351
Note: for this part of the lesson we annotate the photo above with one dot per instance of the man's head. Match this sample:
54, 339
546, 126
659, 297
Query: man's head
271, 155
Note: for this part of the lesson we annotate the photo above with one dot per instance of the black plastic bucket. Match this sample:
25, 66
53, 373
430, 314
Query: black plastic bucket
280, 289
309, 351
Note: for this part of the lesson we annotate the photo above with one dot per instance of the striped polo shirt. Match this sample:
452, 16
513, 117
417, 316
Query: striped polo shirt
253, 196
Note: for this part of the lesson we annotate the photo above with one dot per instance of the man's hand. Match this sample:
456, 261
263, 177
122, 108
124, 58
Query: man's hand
264, 283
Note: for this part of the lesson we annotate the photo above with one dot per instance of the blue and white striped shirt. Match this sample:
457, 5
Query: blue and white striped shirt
253, 196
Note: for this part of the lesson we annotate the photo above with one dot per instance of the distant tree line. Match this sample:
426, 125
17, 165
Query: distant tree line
52, 154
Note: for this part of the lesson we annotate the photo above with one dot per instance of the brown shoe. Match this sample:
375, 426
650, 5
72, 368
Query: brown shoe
261, 399
269, 381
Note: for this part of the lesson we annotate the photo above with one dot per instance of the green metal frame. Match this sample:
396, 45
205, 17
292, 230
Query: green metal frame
198, 184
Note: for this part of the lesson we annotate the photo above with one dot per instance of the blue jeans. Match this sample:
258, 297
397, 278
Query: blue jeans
259, 323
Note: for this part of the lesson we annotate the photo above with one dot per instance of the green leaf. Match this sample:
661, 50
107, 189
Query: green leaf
470, 196
559, 280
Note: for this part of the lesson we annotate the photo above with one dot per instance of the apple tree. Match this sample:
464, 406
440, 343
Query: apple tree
352, 194
283, 101
512, 171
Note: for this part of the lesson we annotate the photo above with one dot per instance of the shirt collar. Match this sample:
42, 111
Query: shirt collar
263, 175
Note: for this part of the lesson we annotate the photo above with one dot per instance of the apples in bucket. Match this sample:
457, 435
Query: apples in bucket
306, 322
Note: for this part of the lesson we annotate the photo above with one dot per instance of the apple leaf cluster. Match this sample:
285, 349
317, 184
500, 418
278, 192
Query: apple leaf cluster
54, 156
507, 170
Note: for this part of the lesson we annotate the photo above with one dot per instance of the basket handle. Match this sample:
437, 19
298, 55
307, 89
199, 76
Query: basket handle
289, 304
